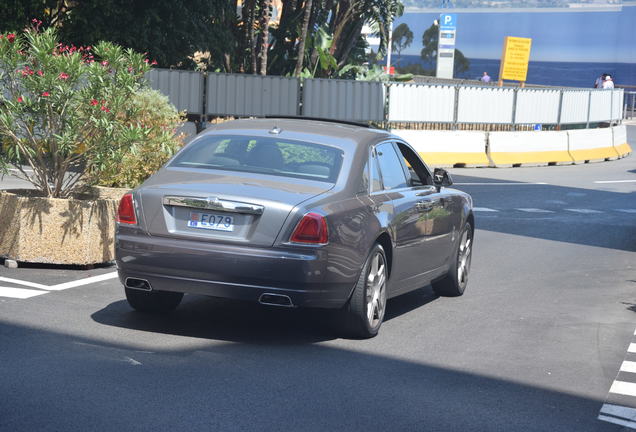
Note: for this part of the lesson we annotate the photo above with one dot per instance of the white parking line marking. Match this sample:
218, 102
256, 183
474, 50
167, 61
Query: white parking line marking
534, 210
627, 210
584, 211
615, 181
25, 283
499, 184
619, 411
624, 388
19, 293
628, 366
484, 209
632, 348
626, 423
81, 282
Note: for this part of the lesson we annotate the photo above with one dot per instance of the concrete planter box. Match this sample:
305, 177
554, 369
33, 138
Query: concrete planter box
76, 231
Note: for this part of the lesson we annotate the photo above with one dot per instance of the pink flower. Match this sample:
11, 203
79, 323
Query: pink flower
146, 61
104, 63
63, 76
154, 62
46, 94
94, 102
20, 100
40, 73
11, 37
103, 108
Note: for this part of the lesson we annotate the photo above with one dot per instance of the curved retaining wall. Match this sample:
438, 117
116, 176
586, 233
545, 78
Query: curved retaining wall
499, 149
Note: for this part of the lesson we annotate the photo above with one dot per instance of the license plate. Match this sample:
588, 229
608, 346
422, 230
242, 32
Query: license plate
211, 221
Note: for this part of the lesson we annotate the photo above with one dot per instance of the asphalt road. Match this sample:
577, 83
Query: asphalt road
534, 345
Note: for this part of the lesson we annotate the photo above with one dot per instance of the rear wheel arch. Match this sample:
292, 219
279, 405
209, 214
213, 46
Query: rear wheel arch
385, 241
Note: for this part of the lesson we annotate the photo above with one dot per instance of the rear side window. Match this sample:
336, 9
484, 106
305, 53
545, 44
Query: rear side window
287, 158
390, 167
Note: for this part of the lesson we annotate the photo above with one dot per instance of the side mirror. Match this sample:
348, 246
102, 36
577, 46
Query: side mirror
441, 177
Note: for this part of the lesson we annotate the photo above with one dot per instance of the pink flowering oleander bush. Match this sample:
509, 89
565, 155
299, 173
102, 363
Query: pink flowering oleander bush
72, 114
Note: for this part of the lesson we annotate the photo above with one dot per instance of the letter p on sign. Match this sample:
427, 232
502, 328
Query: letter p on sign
448, 21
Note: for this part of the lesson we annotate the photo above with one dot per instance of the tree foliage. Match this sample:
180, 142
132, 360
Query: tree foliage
402, 39
218, 35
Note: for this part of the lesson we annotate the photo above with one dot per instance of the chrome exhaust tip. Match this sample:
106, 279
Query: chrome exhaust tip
138, 284
270, 299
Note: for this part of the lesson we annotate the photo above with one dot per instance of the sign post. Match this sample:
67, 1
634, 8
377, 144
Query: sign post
446, 45
514, 60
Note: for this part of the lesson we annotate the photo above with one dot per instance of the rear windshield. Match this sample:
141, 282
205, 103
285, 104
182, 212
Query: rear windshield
264, 155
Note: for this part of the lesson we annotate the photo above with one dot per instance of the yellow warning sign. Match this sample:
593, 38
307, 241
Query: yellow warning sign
516, 55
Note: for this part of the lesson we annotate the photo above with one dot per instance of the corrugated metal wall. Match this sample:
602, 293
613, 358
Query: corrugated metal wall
574, 106
252, 95
601, 105
537, 106
421, 103
485, 105
343, 99
183, 88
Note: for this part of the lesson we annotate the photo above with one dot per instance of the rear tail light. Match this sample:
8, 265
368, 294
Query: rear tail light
126, 210
311, 229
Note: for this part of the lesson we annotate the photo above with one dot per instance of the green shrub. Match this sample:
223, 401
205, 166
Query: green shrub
78, 115
151, 113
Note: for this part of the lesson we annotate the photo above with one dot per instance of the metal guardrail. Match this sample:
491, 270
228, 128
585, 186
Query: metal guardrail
453, 104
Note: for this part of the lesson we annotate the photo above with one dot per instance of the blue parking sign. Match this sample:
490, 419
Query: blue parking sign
448, 21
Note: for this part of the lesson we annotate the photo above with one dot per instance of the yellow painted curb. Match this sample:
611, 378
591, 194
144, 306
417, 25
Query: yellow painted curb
594, 154
623, 149
541, 157
443, 158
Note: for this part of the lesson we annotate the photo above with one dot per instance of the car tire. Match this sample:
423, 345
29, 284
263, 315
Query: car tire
153, 301
453, 284
364, 313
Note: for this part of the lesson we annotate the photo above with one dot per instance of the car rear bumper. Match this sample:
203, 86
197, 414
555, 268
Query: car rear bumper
235, 272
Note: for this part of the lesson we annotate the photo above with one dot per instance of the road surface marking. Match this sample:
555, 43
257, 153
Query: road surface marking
499, 184
484, 209
81, 282
615, 181
632, 348
624, 388
25, 283
584, 211
19, 293
534, 210
628, 366
627, 210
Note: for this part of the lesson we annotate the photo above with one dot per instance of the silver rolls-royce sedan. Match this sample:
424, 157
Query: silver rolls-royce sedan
295, 213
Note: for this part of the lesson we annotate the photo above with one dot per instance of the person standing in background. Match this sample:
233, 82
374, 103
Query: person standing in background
485, 78
599, 81
608, 83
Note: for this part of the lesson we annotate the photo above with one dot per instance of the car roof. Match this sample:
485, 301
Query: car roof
300, 126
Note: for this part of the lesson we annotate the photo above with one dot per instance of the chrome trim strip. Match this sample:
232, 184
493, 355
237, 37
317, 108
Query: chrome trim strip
213, 203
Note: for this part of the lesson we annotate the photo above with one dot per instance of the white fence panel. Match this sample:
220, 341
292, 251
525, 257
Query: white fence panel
601, 105
574, 106
343, 99
484, 105
617, 104
537, 106
247, 95
183, 88
421, 103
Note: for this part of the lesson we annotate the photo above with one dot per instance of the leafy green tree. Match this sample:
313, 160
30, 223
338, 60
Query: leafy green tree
429, 51
402, 39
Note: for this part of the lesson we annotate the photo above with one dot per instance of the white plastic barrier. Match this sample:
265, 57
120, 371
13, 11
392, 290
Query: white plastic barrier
529, 148
591, 144
447, 148
574, 106
619, 140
